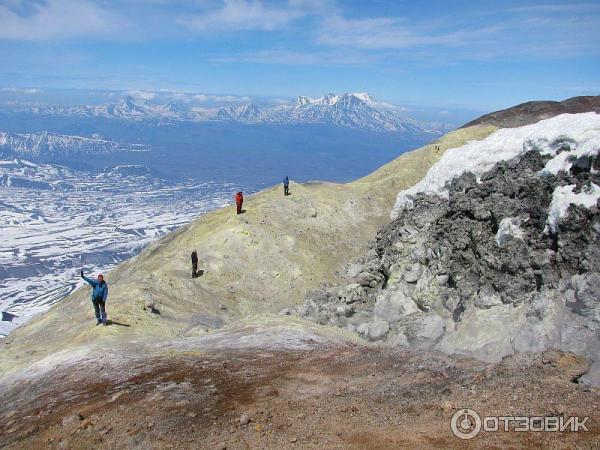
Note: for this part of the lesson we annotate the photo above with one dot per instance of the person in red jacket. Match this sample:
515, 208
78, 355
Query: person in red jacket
239, 201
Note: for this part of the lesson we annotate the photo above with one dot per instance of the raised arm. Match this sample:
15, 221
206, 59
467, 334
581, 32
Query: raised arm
88, 280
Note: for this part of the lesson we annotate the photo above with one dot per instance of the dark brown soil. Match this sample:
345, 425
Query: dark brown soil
531, 112
335, 398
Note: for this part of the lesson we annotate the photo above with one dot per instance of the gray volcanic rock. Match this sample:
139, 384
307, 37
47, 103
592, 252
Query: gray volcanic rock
480, 273
378, 329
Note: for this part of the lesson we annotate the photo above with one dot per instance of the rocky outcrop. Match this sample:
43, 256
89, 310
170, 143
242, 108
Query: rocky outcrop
481, 272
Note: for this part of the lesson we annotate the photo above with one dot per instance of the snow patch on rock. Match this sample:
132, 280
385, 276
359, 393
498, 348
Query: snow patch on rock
563, 197
547, 136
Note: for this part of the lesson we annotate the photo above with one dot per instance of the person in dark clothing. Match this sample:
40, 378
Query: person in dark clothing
99, 297
239, 201
286, 186
194, 264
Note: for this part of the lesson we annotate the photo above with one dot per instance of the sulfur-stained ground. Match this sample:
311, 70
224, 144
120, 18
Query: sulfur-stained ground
258, 262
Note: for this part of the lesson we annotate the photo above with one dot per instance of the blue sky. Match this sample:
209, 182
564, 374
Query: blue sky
482, 55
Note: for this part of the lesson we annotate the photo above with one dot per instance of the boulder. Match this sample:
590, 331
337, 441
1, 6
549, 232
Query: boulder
413, 273
586, 289
398, 339
351, 293
392, 304
368, 279
363, 328
378, 330
344, 310
487, 298
429, 329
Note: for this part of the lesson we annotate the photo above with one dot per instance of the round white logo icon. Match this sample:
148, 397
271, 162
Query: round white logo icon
465, 424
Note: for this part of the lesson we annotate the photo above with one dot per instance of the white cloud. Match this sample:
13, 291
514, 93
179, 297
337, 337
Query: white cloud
300, 58
21, 90
202, 98
176, 96
57, 19
388, 33
474, 36
315, 32
235, 15
141, 95
279, 101
386, 105
554, 8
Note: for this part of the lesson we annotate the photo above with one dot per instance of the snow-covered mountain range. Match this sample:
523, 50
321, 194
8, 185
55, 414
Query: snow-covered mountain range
46, 146
352, 110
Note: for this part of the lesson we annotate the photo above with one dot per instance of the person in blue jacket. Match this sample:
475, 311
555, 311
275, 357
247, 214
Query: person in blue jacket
286, 186
99, 296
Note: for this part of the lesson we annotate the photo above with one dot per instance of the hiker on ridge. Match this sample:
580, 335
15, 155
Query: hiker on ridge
286, 186
239, 201
194, 264
99, 296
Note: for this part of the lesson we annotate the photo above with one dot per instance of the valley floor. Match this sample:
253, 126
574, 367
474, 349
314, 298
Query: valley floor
316, 395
